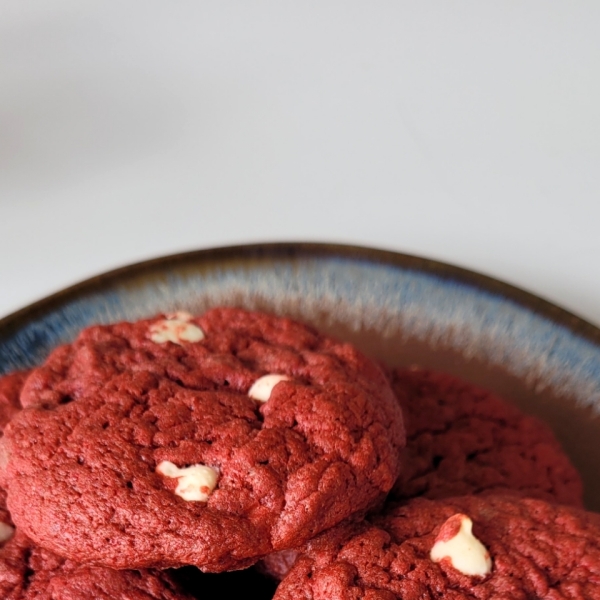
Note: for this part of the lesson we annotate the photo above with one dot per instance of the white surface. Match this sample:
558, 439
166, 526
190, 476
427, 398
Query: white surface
463, 131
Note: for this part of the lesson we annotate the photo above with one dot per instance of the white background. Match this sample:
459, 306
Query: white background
463, 131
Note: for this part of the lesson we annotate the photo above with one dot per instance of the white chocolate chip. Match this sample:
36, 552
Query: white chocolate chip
176, 330
466, 553
6, 532
194, 484
261, 389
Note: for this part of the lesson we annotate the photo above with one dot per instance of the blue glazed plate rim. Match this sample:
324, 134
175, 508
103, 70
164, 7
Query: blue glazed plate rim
298, 250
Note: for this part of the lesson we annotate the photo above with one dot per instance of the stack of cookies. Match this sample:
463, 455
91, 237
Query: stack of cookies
145, 453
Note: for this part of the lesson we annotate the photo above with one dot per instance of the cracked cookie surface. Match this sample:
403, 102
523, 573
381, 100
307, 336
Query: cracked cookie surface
536, 550
462, 440
27, 572
103, 413
10, 391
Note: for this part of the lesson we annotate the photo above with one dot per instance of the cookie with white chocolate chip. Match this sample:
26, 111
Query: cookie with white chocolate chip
469, 547
210, 441
461, 440
28, 572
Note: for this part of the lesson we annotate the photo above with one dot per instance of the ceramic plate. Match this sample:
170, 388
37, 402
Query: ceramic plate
397, 308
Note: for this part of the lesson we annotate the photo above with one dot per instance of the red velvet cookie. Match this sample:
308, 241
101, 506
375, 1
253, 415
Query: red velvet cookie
29, 573
480, 547
462, 439
209, 441
10, 389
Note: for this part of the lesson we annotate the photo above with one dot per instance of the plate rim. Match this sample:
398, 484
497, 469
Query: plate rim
446, 271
